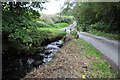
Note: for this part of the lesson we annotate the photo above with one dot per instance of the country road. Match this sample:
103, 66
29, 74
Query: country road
109, 48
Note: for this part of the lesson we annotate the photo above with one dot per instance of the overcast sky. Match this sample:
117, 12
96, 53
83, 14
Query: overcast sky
53, 6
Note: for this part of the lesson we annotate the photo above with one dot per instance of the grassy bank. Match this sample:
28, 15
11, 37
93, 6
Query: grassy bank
61, 25
99, 33
100, 29
108, 35
53, 32
97, 65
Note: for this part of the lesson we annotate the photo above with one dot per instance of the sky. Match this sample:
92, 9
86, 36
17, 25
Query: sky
53, 6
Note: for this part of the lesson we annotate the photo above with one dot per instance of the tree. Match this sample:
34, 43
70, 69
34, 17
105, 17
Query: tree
23, 5
67, 7
87, 13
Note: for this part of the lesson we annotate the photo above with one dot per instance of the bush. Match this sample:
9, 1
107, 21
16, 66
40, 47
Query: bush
100, 27
84, 27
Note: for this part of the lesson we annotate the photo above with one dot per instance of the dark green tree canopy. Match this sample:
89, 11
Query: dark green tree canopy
92, 12
10, 5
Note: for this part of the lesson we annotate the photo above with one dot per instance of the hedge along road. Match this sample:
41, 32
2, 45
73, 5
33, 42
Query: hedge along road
108, 48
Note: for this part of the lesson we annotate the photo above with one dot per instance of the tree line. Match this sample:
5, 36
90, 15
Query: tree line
100, 16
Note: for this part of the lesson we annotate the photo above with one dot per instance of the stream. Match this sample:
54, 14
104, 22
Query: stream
20, 66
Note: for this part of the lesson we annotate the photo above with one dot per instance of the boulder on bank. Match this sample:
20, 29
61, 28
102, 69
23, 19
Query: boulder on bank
67, 38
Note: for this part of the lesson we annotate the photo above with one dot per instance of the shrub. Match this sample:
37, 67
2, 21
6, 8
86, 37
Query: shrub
84, 27
100, 27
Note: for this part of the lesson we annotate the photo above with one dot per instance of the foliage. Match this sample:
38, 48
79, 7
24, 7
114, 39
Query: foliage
67, 7
101, 27
104, 15
43, 24
78, 28
22, 29
74, 34
12, 5
21, 33
84, 13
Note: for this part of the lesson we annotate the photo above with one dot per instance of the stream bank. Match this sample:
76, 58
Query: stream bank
77, 59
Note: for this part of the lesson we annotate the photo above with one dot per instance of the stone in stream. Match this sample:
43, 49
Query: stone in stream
58, 43
46, 59
47, 52
42, 54
51, 51
51, 47
50, 55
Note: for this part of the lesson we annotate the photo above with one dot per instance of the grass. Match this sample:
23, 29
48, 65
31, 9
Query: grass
61, 25
97, 62
108, 35
54, 32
